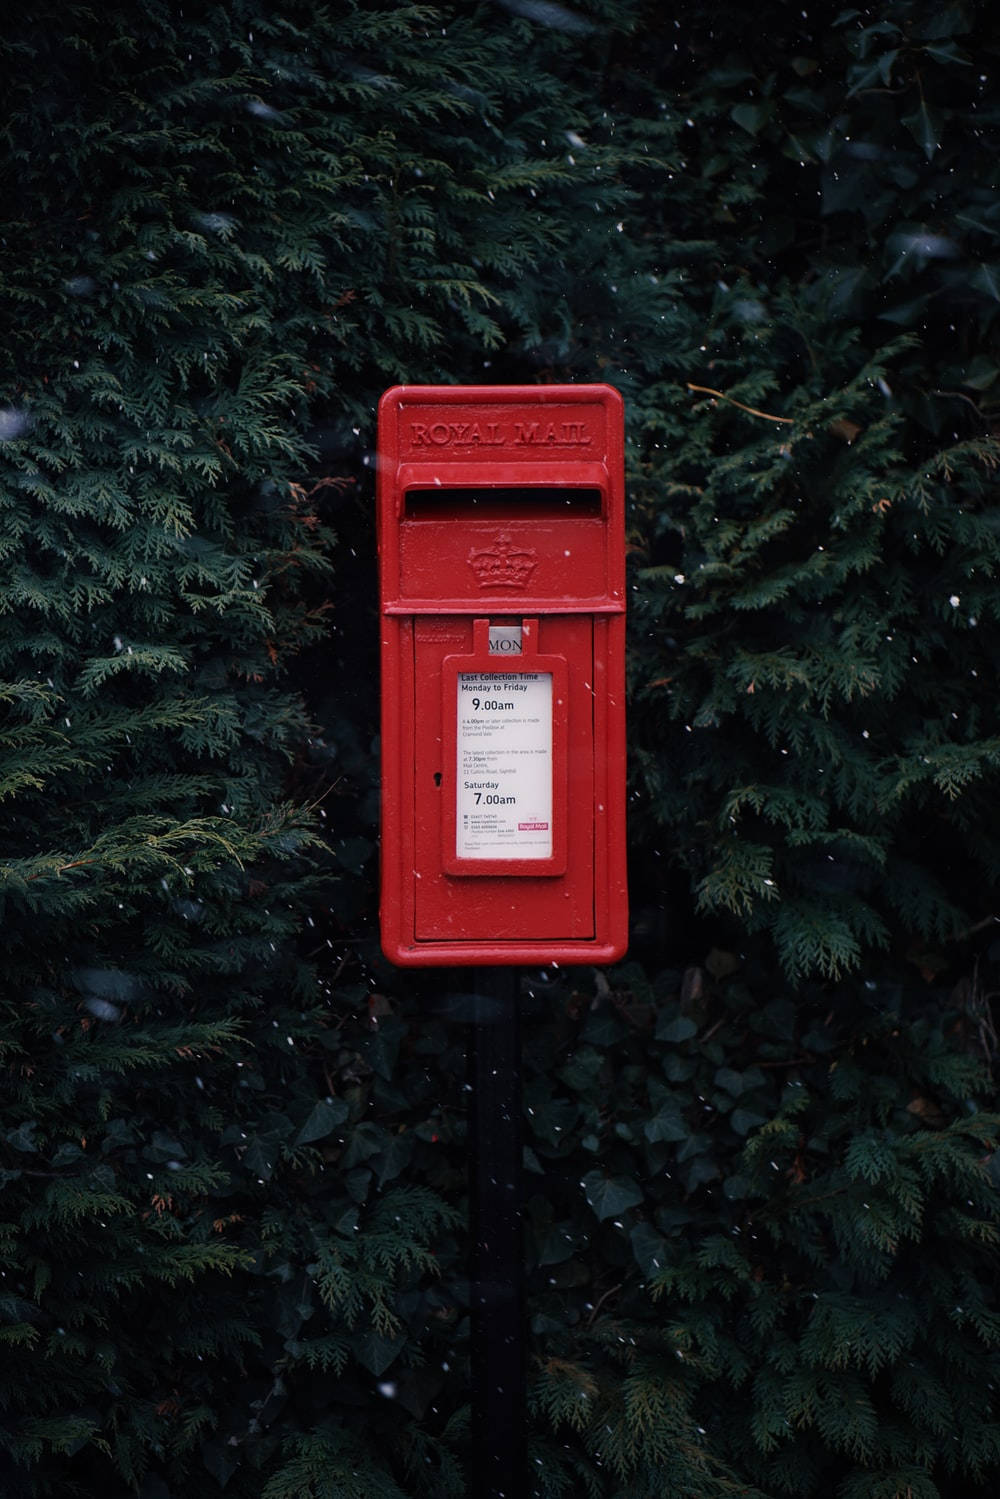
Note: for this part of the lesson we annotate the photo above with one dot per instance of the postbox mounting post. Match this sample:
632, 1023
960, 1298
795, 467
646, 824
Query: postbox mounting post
497, 1470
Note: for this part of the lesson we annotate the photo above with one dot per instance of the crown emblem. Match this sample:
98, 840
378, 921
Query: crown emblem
503, 565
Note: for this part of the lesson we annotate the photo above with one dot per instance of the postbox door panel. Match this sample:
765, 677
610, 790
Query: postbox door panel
476, 905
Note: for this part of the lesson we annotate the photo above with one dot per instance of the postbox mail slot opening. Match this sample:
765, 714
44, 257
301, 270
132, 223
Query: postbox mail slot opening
546, 502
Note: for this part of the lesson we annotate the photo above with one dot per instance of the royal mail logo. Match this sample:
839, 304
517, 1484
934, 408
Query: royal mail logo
515, 434
503, 565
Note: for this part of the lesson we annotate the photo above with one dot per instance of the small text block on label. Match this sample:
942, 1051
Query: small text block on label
504, 769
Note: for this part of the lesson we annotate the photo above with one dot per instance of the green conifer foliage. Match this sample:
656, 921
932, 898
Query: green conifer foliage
762, 1242
160, 564
814, 615
761, 1237
226, 229
816, 485
761, 1210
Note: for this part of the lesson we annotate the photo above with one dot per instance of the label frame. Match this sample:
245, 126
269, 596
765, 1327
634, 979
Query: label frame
482, 662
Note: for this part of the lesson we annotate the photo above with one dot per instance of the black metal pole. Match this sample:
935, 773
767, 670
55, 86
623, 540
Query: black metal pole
498, 1449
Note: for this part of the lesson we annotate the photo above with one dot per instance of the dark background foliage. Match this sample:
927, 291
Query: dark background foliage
760, 1172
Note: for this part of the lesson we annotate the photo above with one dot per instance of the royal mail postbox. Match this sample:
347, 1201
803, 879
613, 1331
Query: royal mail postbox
501, 559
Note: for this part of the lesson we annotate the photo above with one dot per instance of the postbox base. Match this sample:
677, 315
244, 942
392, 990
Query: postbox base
502, 954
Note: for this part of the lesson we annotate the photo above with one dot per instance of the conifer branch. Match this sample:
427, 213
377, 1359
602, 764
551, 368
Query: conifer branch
752, 410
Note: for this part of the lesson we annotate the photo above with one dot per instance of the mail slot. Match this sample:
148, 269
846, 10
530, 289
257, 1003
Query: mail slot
501, 564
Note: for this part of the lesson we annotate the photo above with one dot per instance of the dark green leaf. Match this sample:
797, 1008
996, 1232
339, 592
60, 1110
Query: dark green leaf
986, 278
395, 1158
751, 117
559, 1242
667, 1124
327, 1115
375, 1352
925, 125
609, 1196
744, 1120
649, 1248
261, 1155
731, 1081
23, 1137
220, 1460
676, 1029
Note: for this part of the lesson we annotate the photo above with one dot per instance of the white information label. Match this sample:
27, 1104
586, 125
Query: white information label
504, 771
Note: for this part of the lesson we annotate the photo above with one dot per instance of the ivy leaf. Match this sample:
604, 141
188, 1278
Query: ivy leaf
531, 1161
357, 1184
551, 1118
610, 1195
666, 1125
737, 1083
581, 1071
220, 1461
948, 52
347, 1222
382, 1046
261, 1155
67, 1154
986, 278
558, 1243
751, 117
695, 1144
980, 373
744, 1120
679, 1028
649, 1248
677, 1069
603, 1027
924, 124
701, 1169
731, 1081
325, 1117
22, 1138
869, 75
294, 1305
395, 1158
163, 1147
367, 1140
374, 1351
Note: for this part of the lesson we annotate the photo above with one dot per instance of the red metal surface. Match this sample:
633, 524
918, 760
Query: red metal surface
502, 505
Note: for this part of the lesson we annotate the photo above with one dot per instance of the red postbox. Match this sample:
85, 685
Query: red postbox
501, 552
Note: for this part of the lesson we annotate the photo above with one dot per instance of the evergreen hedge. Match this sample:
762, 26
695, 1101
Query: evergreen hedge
761, 1176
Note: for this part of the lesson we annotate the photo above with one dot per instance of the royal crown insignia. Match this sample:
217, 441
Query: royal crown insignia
503, 565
